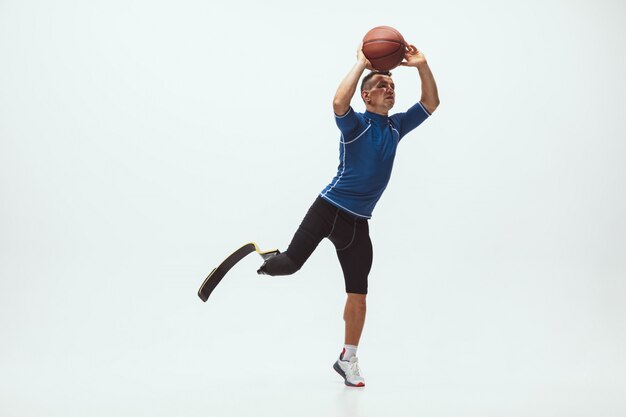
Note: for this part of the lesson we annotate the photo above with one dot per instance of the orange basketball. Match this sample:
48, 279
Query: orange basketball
384, 47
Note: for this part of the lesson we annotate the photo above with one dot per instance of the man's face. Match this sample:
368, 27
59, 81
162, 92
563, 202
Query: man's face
381, 92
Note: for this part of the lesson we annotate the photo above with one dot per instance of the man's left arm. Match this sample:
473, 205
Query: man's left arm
430, 96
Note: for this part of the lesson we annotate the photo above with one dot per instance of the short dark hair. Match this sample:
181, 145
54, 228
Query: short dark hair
369, 76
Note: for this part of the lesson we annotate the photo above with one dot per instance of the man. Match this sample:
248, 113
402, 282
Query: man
340, 213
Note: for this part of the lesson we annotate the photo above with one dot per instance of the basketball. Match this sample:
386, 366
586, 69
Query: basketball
384, 47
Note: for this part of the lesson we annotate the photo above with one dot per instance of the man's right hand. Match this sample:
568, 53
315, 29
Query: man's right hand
360, 56
348, 86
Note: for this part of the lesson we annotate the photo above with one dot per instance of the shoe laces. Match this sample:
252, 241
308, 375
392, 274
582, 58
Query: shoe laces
354, 368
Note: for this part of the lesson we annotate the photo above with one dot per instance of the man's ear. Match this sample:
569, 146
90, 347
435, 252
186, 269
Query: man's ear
364, 95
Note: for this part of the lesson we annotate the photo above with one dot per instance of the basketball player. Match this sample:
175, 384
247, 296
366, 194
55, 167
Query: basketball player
368, 143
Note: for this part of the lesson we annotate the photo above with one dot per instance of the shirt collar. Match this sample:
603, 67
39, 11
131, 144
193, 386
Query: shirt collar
376, 117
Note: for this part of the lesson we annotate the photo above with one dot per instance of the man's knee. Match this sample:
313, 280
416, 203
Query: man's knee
357, 301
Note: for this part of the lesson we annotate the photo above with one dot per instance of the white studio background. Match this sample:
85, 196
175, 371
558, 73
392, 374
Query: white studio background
142, 141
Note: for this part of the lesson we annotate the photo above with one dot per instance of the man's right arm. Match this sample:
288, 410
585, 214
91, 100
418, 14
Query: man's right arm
347, 88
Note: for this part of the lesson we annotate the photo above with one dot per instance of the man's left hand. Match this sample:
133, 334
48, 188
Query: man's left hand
413, 57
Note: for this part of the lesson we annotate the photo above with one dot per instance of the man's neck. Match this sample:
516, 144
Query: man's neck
377, 110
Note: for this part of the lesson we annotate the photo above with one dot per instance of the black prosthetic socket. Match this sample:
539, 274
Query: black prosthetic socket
279, 265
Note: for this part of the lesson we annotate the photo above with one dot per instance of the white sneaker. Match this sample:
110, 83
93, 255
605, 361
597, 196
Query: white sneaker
350, 372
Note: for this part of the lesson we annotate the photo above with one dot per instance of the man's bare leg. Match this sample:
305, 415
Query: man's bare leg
354, 316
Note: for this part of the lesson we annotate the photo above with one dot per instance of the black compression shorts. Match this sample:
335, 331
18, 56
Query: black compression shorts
349, 234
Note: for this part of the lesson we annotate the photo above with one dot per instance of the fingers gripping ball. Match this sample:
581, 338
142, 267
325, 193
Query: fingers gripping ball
384, 47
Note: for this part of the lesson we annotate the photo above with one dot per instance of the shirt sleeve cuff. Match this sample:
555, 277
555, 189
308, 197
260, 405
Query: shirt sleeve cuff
424, 108
345, 114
